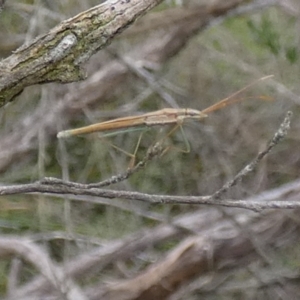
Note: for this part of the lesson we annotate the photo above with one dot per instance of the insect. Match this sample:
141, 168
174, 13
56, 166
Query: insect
162, 117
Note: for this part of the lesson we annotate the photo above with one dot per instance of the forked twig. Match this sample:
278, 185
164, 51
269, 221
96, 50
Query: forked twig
57, 186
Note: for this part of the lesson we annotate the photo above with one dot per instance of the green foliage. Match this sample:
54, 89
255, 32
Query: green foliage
4, 267
265, 34
292, 54
274, 38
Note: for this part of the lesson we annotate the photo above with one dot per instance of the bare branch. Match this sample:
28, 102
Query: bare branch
57, 186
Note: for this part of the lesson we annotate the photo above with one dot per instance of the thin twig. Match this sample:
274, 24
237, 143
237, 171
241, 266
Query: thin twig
153, 151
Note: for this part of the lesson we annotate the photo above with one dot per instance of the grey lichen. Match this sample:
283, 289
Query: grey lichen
63, 47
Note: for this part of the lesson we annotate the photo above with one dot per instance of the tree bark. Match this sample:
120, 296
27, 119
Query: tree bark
58, 55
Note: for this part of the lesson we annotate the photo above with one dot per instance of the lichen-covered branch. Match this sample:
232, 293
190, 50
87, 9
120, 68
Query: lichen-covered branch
59, 54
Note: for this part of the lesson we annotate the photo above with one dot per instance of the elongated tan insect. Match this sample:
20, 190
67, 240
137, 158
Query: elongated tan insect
160, 117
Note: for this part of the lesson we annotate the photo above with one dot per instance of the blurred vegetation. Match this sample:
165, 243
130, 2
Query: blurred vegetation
214, 64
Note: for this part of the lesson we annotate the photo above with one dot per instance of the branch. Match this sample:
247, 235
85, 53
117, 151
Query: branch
57, 186
58, 55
